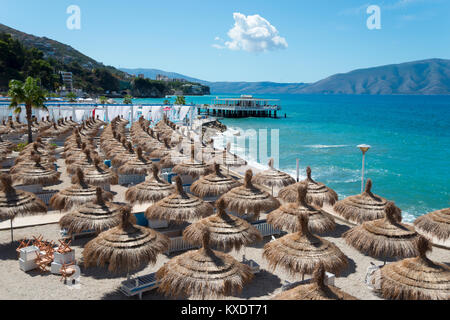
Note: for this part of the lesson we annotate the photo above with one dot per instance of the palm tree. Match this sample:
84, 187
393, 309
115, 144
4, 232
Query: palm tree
180, 101
31, 95
128, 99
103, 100
166, 102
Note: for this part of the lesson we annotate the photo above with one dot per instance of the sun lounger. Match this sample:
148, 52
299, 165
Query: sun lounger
265, 228
252, 264
139, 285
65, 234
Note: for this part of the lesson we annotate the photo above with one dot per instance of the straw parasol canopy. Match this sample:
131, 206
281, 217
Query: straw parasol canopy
151, 190
203, 274
273, 177
317, 193
8, 145
249, 199
99, 215
435, 223
77, 194
162, 151
226, 231
192, 168
230, 160
36, 174
138, 164
173, 158
317, 289
286, 217
385, 237
214, 184
84, 162
14, 202
362, 207
302, 252
126, 247
416, 278
99, 174
179, 207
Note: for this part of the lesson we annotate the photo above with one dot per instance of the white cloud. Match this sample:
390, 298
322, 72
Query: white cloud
254, 34
217, 46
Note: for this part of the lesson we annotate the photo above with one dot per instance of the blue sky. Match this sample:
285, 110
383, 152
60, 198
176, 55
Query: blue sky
305, 41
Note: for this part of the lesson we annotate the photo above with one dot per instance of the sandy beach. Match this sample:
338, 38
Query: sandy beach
98, 283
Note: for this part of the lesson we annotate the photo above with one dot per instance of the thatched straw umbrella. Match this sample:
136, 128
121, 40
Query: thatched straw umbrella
125, 248
435, 224
77, 194
152, 189
317, 289
416, 278
362, 207
214, 184
99, 175
120, 158
226, 231
36, 174
84, 162
99, 215
203, 274
179, 207
249, 199
192, 168
14, 202
161, 152
138, 164
317, 194
229, 160
385, 237
173, 158
302, 252
286, 216
273, 178
8, 145
36, 149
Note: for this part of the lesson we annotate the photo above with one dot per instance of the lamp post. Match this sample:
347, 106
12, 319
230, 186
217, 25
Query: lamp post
364, 148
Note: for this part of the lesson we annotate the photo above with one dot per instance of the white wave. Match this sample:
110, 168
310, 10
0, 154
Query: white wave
324, 146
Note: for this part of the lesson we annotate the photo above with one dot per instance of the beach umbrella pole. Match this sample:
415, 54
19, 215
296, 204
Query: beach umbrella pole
12, 231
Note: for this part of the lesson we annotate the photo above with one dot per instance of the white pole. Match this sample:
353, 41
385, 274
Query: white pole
298, 169
362, 173
191, 115
132, 113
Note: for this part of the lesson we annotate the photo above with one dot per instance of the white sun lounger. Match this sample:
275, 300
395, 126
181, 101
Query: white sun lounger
252, 264
139, 285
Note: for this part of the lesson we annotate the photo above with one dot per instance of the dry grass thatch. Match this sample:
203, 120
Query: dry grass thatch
226, 231
363, 207
36, 174
179, 207
273, 177
416, 278
286, 217
100, 174
317, 194
17, 202
303, 252
151, 190
137, 164
317, 289
126, 247
214, 184
249, 199
99, 216
77, 194
385, 237
203, 274
435, 223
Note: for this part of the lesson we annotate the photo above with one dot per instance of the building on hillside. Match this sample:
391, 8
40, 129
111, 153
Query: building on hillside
160, 77
141, 76
67, 80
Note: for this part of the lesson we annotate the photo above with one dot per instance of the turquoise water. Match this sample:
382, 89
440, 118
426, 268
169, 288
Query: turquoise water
410, 138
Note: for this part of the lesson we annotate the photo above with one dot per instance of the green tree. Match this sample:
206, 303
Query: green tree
31, 95
103, 99
181, 100
166, 102
71, 96
128, 99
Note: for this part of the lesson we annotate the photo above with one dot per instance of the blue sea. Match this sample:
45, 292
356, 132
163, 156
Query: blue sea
410, 137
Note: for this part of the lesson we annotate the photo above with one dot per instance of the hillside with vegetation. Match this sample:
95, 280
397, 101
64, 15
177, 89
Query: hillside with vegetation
23, 55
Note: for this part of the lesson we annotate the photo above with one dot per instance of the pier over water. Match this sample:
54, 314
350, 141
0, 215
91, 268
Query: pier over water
243, 107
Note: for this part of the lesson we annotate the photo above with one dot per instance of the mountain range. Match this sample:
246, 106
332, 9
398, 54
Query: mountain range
426, 77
